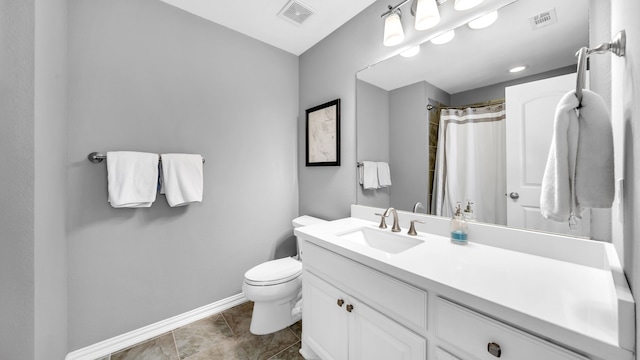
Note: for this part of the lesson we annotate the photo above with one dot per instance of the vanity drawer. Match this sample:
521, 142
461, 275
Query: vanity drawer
401, 302
474, 334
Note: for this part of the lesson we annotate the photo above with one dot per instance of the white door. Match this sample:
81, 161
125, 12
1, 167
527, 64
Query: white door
529, 128
373, 336
325, 319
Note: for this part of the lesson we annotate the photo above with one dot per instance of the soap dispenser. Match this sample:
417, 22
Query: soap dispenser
459, 228
468, 212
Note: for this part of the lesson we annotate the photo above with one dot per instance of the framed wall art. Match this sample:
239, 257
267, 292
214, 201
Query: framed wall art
323, 134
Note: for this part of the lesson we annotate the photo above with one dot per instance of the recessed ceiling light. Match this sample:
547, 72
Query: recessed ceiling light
412, 51
444, 38
483, 21
517, 68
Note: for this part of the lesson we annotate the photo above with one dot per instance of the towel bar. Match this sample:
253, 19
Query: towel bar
359, 164
96, 157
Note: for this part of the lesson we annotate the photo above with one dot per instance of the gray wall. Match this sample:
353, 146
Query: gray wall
145, 76
600, 82
409, 141
372, 137
17, 39
626, 120
50, 179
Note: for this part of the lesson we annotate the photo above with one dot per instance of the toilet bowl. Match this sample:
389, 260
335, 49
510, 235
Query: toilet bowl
275, 287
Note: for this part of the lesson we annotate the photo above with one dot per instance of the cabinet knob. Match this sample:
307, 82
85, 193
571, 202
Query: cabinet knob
349, 308
340, 302
494, 349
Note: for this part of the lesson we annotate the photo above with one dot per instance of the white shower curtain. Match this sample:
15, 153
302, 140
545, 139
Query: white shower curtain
470, 163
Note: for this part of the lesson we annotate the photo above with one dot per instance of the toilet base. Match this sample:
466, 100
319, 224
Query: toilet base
269, 317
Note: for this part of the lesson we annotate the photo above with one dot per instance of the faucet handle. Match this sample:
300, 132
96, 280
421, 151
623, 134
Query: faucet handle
412, 228
383, 224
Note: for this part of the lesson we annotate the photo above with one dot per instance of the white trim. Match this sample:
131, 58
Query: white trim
109, 346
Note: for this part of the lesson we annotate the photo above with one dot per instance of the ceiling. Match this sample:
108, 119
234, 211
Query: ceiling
477, 58
260, 19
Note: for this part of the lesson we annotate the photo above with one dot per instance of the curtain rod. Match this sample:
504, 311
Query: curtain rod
476, 105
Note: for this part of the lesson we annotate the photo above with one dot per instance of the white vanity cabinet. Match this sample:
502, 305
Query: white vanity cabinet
438, 301
343, 311
338, 326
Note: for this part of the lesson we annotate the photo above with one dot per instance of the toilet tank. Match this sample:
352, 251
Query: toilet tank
305, 220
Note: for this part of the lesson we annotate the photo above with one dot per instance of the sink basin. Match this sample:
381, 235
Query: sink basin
383, 240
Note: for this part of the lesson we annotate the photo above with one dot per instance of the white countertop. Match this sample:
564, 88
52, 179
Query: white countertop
560, 300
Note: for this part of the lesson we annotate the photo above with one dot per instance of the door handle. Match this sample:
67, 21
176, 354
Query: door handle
514, 195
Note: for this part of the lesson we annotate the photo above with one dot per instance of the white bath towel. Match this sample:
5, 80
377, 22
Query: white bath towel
182, 178
579, 170
384, 174
369, 175
132, 178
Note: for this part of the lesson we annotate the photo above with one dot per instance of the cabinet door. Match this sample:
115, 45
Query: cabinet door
325, 322
374, 336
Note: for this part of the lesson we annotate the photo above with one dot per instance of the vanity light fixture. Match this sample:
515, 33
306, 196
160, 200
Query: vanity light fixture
410, 52
444, 38
426, 16
517, 69
462, 5
483, 21
393, 32
426, 13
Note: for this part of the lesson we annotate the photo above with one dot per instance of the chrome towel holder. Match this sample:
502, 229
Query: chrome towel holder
617, 46
96, 157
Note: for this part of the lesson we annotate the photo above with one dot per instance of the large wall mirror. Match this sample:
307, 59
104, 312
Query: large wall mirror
403, 102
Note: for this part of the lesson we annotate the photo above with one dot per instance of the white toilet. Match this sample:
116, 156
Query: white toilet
275, 287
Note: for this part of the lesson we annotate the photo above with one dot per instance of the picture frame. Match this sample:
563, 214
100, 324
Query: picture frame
323, 134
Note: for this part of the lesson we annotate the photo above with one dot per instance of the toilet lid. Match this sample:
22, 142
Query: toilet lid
274, 272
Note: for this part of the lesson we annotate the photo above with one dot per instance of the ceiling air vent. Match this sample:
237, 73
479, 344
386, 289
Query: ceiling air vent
543, 19
296, 12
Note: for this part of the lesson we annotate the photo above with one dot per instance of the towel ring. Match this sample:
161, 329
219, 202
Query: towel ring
617, 46
583, 54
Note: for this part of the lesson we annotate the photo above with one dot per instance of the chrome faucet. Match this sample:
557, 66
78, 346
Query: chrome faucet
395, 227
417, 206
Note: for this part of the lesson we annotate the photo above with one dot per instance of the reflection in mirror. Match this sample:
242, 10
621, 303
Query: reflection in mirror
467, 81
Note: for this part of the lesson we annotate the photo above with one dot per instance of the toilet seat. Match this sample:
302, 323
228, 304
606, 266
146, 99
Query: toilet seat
273, 272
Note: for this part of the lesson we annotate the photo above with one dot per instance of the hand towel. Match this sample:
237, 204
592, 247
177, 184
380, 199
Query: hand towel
595, 178
132, 178
182, 178
579, 171
369, 170
557, 197
384, 174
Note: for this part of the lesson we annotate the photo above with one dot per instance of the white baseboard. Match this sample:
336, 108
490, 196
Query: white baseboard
106, 347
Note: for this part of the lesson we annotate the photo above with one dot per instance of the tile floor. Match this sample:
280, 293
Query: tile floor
221, 336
